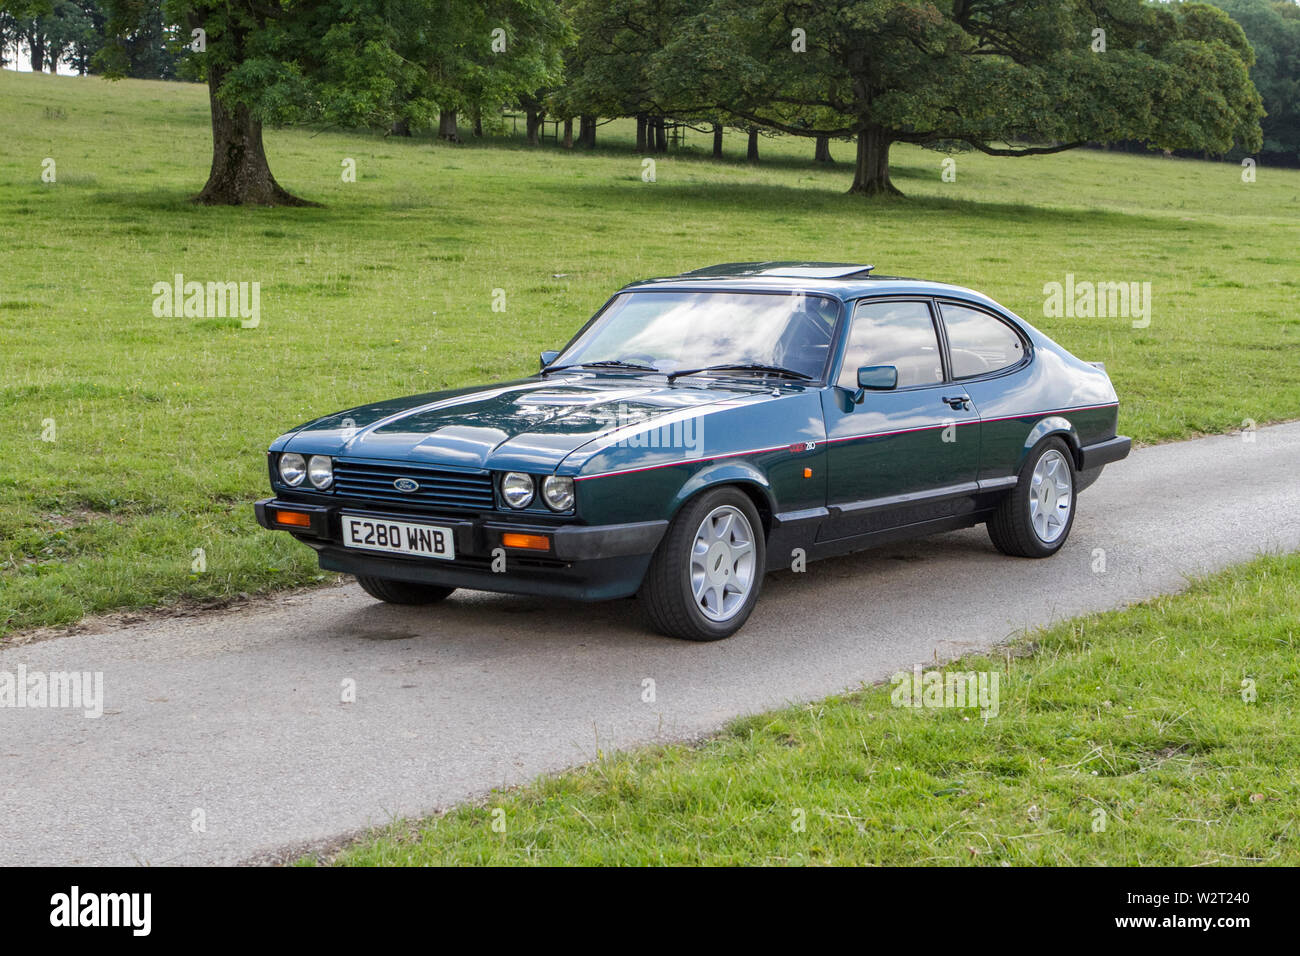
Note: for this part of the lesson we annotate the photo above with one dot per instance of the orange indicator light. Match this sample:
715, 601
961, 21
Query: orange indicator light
532, 542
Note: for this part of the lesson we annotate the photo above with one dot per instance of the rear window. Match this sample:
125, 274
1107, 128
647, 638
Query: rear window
979, 343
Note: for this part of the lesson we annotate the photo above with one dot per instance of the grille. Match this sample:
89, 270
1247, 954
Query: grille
439, 487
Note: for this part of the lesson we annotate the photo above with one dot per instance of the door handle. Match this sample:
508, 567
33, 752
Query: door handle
958, 402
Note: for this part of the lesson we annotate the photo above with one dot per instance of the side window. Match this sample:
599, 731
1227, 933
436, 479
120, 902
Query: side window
893, 333
978, 343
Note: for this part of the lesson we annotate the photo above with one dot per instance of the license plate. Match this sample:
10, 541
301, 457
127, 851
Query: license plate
397, 537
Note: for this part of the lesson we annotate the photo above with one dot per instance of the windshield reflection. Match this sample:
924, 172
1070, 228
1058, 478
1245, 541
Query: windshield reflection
680, 330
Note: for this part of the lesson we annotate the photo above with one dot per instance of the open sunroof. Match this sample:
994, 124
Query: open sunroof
791, 270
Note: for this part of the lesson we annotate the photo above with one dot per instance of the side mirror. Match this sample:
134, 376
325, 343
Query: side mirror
549, 356
877, 378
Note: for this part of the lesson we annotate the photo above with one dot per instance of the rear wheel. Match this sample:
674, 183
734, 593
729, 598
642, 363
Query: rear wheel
403, 592
705, 577
1035, 518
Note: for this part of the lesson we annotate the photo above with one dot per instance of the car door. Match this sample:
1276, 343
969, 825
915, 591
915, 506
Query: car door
903, 455
991, 361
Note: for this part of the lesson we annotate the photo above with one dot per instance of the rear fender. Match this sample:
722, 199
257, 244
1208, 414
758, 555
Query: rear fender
1052, 425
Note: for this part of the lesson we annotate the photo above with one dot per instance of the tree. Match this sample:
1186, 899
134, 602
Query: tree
476, 56
1273, 29
1008, 77
341, 62
90, 39
21, 21
822, 153
13, 19
53, 31
68, 28
245, 52
613, 70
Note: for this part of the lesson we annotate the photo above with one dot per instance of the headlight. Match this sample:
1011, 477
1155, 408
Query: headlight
320, 469
557, 492
292, 469
517, 489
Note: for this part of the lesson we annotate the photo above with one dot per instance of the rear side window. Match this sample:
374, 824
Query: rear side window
900, 334
978, 343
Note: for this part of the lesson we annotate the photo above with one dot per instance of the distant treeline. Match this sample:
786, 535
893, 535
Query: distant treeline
71, 35
68, 35
1273, 29
1007, 79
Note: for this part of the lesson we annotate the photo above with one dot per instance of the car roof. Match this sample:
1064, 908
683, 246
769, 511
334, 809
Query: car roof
841, 280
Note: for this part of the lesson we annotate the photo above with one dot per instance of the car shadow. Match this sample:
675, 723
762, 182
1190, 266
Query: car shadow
479, 616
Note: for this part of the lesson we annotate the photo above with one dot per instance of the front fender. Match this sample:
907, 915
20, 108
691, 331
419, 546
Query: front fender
734, 472
1052, 425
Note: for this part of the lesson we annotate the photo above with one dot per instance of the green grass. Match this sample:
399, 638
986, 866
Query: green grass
162, 424
1122, 739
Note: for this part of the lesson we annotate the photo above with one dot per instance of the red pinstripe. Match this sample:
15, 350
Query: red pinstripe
831, 441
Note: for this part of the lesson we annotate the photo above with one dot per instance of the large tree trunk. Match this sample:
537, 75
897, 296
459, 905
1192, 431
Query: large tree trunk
587, 131
641, 124
400, 127
533, 120
240, 174
661, 135
823, 153
568, 133
751, 151
478, 121
871, 174
717, 140
447, 128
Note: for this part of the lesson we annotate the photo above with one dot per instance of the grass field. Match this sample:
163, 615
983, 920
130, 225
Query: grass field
159, 425
1163, 734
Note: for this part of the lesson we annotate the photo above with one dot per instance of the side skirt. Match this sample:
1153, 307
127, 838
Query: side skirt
787, 537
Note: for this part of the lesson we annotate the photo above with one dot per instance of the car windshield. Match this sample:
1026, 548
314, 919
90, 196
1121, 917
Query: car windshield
677, 331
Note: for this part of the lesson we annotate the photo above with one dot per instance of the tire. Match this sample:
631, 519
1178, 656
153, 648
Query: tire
403, 592
706, 595
1016, 528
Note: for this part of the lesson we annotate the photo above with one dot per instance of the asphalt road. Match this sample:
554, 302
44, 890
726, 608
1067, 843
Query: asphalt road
235, 720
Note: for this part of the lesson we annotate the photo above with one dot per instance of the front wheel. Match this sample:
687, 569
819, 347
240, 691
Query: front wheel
403, 592
1035, 517
704, 579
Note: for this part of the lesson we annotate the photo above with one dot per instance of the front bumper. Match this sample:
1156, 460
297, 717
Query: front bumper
585, 562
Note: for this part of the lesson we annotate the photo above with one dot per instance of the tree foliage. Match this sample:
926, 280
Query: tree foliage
349, 63
1273, 29
992, 74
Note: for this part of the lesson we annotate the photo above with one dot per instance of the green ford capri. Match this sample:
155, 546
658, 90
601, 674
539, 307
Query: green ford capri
702, 430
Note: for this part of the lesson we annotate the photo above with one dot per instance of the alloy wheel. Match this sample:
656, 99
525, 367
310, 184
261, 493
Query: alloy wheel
722, 567
1051, 496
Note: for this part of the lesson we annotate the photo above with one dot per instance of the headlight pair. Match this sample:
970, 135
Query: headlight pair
518, 490
319, 470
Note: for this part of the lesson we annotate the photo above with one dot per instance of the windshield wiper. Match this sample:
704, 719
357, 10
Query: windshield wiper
607, 363
743, 367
